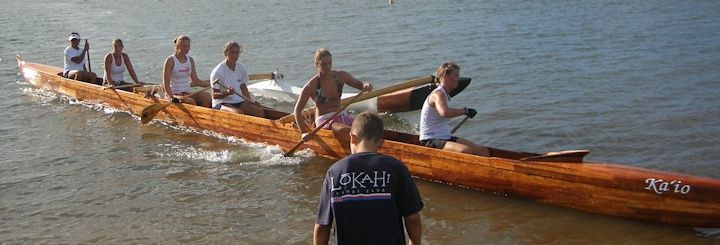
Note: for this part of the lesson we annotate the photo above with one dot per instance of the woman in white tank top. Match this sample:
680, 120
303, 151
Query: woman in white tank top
436, 113
179, 75
116, 63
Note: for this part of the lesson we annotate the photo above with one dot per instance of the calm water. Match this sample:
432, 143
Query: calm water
636, 82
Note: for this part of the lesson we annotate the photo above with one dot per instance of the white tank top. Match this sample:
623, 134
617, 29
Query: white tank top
432, 125
116, 71
180, 76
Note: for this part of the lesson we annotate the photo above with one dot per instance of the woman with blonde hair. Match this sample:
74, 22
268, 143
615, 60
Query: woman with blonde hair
179, 75
229, 79
325, 89
116, 62
436, 114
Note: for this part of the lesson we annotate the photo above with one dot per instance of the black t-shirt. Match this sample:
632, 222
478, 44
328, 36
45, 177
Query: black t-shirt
368, 194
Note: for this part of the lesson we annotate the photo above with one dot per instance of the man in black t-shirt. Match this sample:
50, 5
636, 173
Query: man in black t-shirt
371, 197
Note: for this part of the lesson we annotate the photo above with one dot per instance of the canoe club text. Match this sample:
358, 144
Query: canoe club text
660, 186
363, 180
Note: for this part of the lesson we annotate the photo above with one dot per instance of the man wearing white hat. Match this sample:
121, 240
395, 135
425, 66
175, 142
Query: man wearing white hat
74, 66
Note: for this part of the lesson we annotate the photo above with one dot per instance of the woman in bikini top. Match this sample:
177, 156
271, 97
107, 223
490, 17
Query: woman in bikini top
320, 98
327, 99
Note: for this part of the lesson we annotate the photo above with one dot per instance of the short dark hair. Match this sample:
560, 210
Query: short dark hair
368, 126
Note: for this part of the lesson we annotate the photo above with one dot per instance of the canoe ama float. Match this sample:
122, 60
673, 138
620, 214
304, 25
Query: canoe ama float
409, 99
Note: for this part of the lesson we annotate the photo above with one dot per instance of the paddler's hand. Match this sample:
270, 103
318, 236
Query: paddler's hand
231, 91
304, 137
367, 86
470, 112
175, 100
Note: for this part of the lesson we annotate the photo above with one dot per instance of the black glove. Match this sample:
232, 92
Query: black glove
175, 100
470, 112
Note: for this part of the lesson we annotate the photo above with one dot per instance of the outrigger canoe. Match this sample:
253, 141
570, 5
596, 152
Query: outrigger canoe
562, 178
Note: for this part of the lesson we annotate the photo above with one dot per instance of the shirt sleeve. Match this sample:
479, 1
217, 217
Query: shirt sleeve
408, 196
215, 75
246, 77
325, 215
69, 55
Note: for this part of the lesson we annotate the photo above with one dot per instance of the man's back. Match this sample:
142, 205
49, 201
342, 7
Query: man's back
368, 194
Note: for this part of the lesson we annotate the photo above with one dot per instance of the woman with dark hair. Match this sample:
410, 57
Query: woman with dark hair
74, 62
229, 80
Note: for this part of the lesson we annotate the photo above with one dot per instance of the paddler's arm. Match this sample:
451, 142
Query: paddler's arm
130, 68
439, 100
79, 59
108, 65
307, 91
167, 68
244, 90
321, 235
194, 80
353, 82
219, 93
413, 224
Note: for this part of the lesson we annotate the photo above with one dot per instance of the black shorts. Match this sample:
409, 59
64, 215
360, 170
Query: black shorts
439, 144
235, 105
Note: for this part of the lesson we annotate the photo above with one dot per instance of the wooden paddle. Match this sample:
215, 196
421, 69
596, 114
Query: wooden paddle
88, 57
368, 95
149, 112
312, 133
459, 124
123, 86
241, 95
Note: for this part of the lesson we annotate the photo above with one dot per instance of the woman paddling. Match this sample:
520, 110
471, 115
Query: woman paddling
116, 63
325, 89
232, 78
74, 62
436, 114
179, 74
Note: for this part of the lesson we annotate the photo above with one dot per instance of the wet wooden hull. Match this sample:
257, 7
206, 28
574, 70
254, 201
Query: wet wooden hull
601, 188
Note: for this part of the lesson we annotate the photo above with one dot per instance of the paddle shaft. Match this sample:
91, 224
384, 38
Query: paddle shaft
88, 57
149, 112
243, 96
185, 97
235, 92
455, 129
123, 86
314, 131
368, 95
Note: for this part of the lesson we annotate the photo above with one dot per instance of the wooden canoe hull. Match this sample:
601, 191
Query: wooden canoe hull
601, 188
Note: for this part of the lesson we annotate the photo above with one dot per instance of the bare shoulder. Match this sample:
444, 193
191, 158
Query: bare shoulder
125, 56
312, 82
435, 95
343, 74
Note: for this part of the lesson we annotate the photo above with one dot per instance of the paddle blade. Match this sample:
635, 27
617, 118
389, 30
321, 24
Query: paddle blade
149, 112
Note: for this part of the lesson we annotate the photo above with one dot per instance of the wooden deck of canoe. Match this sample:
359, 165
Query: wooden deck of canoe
602, 188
